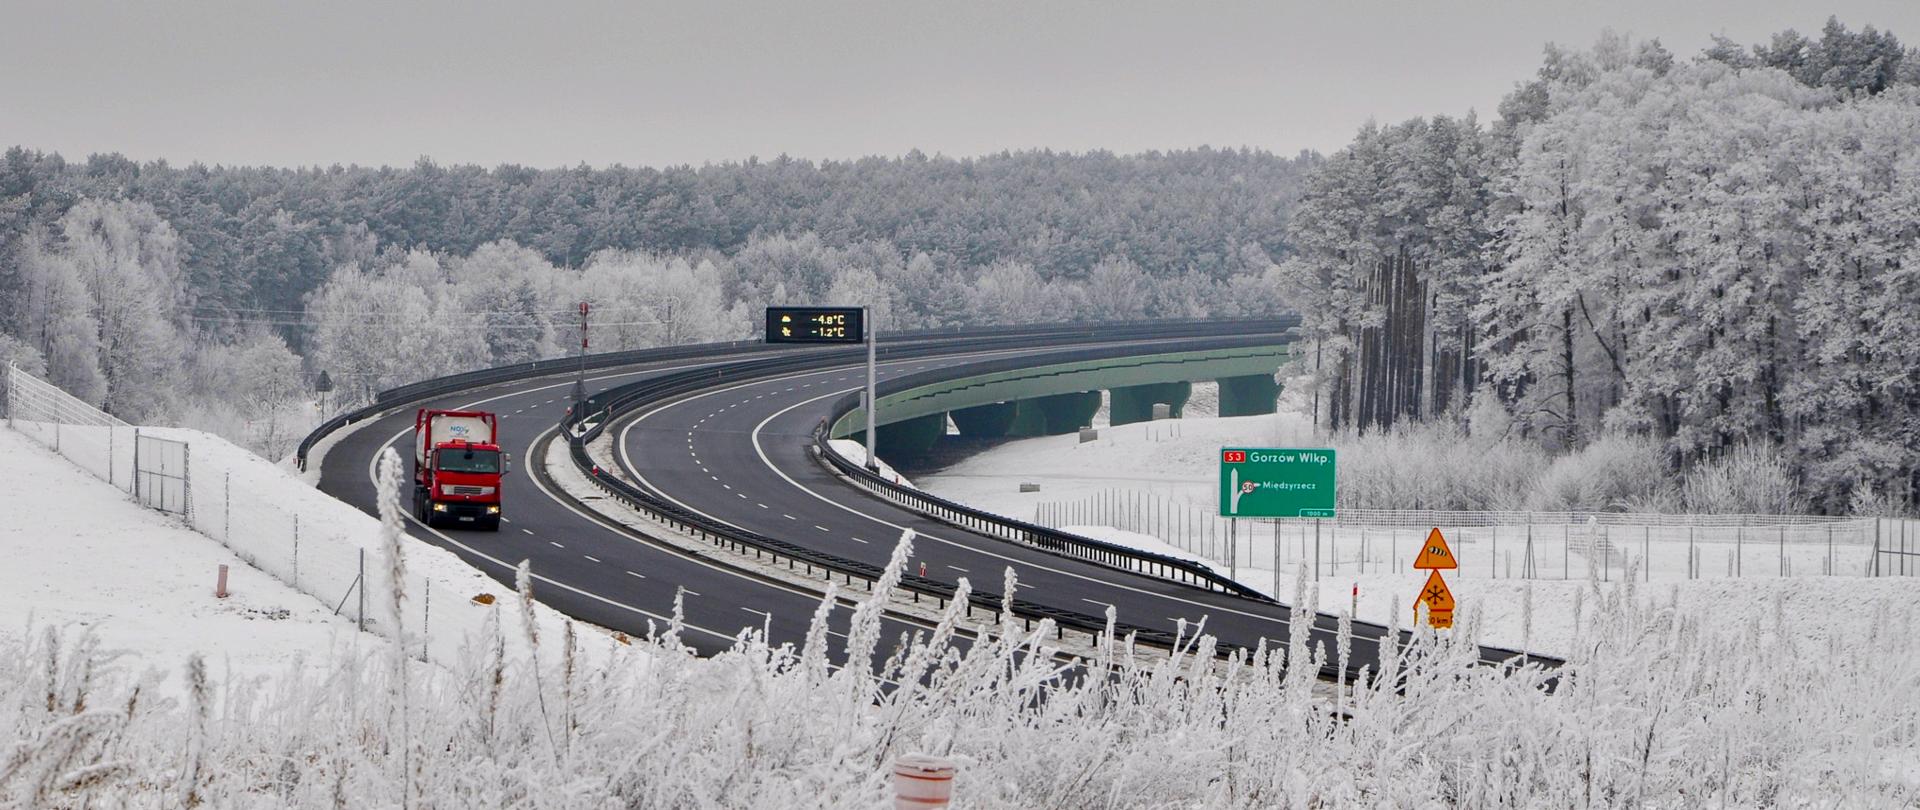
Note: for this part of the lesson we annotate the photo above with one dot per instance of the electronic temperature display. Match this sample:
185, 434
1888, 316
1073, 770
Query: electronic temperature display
815, 325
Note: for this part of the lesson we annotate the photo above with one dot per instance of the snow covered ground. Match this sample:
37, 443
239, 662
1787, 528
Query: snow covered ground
1667, 708
81, 555
1162, 475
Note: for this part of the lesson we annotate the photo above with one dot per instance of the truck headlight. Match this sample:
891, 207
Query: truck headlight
494, 509
439, 507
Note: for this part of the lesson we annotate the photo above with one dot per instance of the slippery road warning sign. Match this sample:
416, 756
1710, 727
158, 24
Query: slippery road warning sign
1439, 601
1435, 554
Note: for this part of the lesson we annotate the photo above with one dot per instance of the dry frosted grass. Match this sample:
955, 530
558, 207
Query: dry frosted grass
1652, 711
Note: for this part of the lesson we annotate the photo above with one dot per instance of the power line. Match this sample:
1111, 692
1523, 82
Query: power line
464, 324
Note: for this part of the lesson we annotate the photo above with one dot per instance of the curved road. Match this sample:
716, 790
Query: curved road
739, 453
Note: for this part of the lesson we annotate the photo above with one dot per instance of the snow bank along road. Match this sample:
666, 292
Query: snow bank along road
738, 453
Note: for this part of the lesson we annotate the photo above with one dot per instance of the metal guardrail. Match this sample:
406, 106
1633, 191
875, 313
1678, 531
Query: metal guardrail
1031, 535
796, 557
602, 409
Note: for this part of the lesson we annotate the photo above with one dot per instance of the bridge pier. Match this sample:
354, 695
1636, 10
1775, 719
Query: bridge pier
908, 438
1055, 415
1134, 403
1251, 395
986, 421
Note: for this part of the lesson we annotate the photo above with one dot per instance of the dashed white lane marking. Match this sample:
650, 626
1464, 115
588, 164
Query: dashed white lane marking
789, 517
761, 612
763, 506
504, 520
820, 527
528, 531
958, 568
1097, 602
741, 494
632, 574
728, 486
858, 540
591, 557
556, 545
689, 593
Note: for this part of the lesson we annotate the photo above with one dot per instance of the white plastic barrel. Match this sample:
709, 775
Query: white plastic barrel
921, 781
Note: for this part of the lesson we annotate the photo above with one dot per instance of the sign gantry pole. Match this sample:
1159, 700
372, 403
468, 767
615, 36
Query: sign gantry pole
873, 457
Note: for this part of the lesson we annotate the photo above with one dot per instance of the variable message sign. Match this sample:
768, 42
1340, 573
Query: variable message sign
1266, 482
815, 325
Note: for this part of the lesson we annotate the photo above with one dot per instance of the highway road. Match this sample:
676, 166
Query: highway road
738, 452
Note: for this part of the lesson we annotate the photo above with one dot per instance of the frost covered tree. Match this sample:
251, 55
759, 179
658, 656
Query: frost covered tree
128, 257
643, 300
1116, 290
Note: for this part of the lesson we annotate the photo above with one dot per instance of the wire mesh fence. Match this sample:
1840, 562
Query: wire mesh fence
225, 493
1558, 545
85, 435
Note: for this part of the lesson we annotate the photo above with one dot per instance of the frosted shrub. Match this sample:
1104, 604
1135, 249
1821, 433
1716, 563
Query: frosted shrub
1748, 479
1652, 711
1434, 465
1614, 473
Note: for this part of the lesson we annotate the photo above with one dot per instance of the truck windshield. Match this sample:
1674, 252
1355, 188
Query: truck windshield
470, 461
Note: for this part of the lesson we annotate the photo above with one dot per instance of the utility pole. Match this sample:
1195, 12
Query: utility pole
866, 324
580, 378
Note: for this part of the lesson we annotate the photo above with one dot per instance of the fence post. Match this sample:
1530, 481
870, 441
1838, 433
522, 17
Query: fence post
1783, 549
1739, 551
1646, 553
361, 620
136, 466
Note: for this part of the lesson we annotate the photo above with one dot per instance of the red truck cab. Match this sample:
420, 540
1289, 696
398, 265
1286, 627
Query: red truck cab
457, 467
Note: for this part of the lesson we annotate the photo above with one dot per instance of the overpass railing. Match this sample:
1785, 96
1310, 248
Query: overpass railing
455, 383
1033, 535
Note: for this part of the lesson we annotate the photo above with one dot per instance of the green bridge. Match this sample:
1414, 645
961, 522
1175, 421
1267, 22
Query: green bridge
1061, 398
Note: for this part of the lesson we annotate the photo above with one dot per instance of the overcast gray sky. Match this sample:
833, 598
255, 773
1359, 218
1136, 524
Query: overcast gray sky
645, 83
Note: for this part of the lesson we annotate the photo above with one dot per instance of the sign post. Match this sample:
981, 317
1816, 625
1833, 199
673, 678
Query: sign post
1434, 557
873, 457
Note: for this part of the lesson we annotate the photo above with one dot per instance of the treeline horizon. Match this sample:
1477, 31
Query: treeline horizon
1707, 252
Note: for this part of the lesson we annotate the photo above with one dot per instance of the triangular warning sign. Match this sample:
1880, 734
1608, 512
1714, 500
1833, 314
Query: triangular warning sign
1435, 593
1435, 553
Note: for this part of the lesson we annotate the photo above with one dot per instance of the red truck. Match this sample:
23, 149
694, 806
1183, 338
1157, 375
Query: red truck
457, 466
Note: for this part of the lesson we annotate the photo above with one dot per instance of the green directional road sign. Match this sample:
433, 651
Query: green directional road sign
1270, 482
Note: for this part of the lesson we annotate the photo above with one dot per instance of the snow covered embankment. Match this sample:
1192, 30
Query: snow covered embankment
289, 537
80, 554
